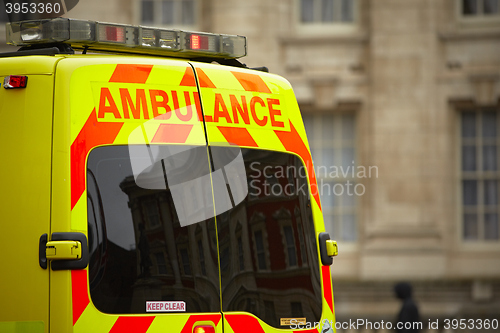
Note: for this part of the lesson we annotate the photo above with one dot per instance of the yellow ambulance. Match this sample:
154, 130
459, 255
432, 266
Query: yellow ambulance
153, 183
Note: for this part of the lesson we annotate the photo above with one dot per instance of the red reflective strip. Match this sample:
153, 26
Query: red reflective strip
172, 133
188, 78
252, 82
188, 327
237, 135
131, 73
327, 286
92, 134
79, 293
244, 323
203, 79
293, 143
132, 324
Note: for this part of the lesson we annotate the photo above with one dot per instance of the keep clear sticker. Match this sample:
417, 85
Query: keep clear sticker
164, 306
327, 328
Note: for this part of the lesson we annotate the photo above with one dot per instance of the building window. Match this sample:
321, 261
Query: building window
480, 172
480, 8
303, 254
326, 11
161, 265
168, 12
290, 245
332, 139
241, 258
186, 265
297, 309
152, 213
202, 258
260, 251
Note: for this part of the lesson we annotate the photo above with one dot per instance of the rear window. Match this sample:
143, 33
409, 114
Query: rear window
164, 221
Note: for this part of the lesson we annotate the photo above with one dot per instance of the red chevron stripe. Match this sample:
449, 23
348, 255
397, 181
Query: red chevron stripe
188, 78
327, 286
131, 73
188, 327
92, 134
252, 82
79, 293
293, 143
237, 135
172, 133
204, 80
132, 324
241, 323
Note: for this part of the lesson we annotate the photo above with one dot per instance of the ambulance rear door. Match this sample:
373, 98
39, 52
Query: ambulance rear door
133, 176
25, 174
268, 219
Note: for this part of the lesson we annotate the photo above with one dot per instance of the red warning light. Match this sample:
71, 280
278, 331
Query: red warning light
195, 42
15, 81
113, 34
204, 329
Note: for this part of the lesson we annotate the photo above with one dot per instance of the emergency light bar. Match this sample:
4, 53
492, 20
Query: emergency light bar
115, 37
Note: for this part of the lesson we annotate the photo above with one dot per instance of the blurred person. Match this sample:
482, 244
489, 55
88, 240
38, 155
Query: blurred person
409, 310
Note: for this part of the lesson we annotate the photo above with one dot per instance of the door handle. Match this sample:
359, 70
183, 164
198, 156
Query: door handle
328, 248
66, 250
63, 250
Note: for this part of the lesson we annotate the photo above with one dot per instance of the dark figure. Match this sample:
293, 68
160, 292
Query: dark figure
409, 310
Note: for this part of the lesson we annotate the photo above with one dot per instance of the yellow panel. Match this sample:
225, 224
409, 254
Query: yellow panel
22, 327
25, 173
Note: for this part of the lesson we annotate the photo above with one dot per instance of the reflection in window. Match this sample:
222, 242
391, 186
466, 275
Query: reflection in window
241, 258
152, 213
259, 247
161, 265
201, 253
186, 266
296, 309
266, 226
134, 248
290, 245
479, 131
270, 313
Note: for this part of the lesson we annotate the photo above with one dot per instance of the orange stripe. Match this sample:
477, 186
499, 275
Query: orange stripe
327, 286
188, 327
252, 82
131, 73
188, 78
92, 134
293, 143
79, 293
238, 136
132, 324
172, 133
203, 79
241, 323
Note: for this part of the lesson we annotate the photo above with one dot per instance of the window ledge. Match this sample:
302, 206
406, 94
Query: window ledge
345, 38
464, 35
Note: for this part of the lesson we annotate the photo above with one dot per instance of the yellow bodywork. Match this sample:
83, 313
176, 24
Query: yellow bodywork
50, 130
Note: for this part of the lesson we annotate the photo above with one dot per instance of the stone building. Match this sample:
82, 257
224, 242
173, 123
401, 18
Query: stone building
402, 103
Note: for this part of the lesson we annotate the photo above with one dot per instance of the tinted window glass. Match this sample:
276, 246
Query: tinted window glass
269, 263
146, 243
